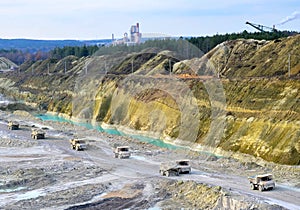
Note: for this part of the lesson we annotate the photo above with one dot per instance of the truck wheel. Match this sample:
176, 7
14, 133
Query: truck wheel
260, 188
252, 186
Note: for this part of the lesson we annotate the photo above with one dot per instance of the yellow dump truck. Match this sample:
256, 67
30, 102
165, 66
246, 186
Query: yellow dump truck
37, 133
78, 144
13, 125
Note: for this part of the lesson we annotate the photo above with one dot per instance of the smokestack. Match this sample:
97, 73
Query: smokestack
138, 27
113, 37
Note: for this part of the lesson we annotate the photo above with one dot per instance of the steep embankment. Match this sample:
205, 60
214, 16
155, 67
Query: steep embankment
253, 109
251, 58
6, 64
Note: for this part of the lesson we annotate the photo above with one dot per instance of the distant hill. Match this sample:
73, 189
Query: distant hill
32, 45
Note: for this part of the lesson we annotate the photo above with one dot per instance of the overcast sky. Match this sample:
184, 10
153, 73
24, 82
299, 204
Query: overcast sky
98, 19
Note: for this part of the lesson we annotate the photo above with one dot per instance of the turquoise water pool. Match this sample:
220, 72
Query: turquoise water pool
111, 131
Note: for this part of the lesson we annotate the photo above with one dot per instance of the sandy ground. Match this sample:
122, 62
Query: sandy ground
48, 174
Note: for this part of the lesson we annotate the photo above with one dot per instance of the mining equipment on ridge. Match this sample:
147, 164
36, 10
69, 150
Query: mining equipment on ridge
262, 28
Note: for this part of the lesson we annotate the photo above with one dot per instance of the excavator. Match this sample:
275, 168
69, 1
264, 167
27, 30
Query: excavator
262, 28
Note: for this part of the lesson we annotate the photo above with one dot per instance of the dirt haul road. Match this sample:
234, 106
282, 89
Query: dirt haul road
48, 174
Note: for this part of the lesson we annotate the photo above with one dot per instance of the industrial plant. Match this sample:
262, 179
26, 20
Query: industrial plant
133, 38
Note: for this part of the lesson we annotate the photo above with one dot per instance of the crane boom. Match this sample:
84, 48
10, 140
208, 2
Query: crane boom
261, 28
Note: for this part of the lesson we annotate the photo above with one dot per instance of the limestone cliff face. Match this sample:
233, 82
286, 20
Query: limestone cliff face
263, 119
253, 108
255, 123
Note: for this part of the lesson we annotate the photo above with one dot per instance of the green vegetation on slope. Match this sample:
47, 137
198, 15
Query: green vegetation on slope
207, 43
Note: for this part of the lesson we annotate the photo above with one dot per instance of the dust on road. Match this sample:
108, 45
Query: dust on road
48, 174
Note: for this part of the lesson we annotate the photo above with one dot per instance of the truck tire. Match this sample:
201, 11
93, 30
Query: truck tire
260, 188
252, 186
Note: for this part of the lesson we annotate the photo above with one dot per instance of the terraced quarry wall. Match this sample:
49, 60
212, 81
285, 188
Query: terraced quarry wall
258, 115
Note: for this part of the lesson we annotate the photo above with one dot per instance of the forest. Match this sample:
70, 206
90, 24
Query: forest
204, 43
200, 45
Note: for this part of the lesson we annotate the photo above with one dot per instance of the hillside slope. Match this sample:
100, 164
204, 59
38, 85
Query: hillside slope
6, 64
251, 58
253, 109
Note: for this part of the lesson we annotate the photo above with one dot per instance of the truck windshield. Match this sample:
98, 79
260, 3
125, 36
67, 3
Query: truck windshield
183, 163
266, 178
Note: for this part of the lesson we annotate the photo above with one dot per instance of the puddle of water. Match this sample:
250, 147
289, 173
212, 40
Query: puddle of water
156, 142
138, 157
30, 195
111, 131
12, 189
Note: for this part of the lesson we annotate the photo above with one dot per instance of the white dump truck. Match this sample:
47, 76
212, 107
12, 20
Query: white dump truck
122, 152
174, 168
262, 182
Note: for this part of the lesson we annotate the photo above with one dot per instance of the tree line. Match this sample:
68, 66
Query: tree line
78, 51
206, 43
180, 45
19, 56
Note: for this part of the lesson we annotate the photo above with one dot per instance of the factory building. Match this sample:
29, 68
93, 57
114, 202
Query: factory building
134, 38
135, 35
